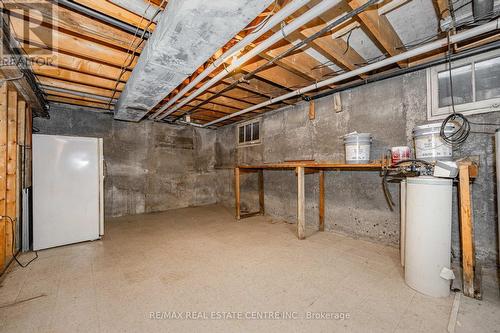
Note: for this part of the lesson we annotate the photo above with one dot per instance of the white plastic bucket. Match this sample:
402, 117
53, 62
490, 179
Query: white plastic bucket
429, 146
357, 148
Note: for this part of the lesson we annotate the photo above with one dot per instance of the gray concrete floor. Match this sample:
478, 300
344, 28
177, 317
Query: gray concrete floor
200, 260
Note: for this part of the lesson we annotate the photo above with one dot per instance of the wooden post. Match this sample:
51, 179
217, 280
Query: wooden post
11, 171
466, 231
21, 136
3, 171
261, 192
301, 219
321, 200
237, 192
312, 111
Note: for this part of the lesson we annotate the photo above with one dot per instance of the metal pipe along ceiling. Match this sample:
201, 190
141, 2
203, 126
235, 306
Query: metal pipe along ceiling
274, 20
311, 14
461, 36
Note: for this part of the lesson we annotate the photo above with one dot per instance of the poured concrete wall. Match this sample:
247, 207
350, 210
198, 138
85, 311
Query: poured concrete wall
150, 166
355, 203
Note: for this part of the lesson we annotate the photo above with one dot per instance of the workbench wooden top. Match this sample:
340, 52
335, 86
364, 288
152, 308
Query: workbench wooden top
314, 165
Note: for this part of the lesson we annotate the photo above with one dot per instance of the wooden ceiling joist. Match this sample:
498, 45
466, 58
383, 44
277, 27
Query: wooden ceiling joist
71, 45
380, 29
69, 21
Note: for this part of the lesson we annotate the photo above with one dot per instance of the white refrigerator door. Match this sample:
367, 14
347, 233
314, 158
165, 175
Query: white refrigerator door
66, 186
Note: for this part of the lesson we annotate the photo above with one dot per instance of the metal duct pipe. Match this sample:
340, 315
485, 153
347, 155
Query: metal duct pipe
461, 36
274, 20
138, 7
105, 18
78, 93
481, 9
311, 14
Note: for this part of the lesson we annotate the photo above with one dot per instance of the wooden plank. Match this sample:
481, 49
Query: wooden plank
467, 232
3, 171
29, 140
442, 8
316, 165
110, 9
261, 192
301, 218
71, 44
312, 111
237, 192
379, 28
21, 135
62, 18
321, 200
11, 169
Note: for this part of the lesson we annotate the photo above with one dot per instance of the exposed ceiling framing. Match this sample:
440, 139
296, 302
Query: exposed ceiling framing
93, 59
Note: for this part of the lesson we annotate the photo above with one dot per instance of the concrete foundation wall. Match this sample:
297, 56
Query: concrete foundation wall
354, 201
149, 166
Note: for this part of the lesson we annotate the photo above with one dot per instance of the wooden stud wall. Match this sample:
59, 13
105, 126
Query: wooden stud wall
15, 132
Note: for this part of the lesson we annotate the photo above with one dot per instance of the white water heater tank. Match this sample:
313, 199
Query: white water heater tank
428, 235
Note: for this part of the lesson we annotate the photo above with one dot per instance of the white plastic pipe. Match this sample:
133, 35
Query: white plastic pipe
314, 12
274, 20
461, 36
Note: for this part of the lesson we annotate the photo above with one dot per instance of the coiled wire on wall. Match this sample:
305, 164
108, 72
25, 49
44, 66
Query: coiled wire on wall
461, 124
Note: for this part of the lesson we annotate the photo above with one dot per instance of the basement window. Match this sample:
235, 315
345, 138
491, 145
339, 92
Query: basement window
476, 86
248, 133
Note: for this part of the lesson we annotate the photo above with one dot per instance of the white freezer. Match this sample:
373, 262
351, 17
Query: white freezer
67, 190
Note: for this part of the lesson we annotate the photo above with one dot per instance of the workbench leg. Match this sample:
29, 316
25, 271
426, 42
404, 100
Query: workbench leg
301, 219
467, 232
321, 200
237, 192
261, 192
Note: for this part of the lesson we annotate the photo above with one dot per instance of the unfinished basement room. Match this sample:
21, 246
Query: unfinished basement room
250, 166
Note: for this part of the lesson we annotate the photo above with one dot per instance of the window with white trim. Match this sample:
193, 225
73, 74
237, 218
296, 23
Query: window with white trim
248, 133
476, 86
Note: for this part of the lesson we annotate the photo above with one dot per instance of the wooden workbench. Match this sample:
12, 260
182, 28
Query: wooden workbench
467, 171
300, 168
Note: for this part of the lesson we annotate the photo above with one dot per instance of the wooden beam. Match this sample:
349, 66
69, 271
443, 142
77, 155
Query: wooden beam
301, 197
75, 77
321, 200
237, 192
61, 18
81, 65
71, 44
379, 28
77, 86
466, 231
3, 172
73, 101
442, 8
110, 9
11, 170
21, 136
312, 110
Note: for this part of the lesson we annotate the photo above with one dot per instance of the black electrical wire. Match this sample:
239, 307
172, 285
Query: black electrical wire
13, 246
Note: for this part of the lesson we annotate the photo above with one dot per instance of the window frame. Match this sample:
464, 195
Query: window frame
251, 142
434, 112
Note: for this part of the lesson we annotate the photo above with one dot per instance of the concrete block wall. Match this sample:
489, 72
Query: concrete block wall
150, 166
354, 201
155, 167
